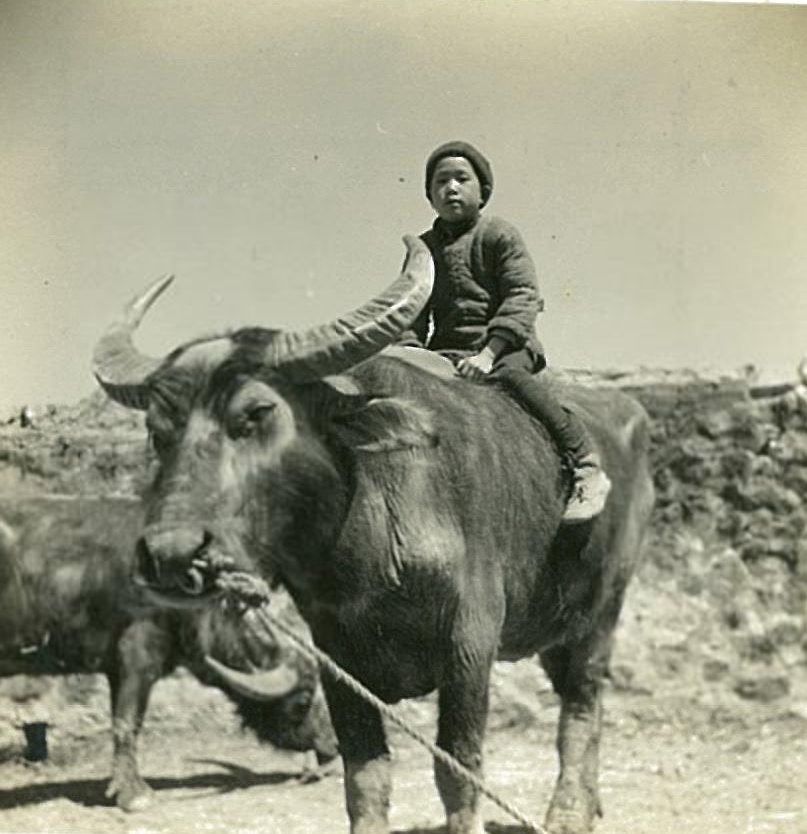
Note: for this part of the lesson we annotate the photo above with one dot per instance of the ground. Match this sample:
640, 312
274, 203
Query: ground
669, 765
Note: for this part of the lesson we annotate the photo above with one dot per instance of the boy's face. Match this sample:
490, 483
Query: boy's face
455, 191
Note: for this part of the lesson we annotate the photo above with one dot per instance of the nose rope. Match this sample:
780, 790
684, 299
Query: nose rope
253, 592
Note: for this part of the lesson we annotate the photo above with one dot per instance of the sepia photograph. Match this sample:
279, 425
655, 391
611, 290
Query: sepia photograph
403, 417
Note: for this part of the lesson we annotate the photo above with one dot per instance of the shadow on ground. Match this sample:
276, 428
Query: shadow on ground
490, 828
90, 792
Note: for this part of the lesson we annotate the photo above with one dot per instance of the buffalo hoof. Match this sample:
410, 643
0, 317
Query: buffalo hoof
130, 797
464, 823
572, 812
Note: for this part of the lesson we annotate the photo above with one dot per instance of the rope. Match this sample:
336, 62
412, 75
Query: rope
254, 592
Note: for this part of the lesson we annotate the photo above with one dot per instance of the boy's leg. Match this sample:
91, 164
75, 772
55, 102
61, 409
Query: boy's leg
590, 484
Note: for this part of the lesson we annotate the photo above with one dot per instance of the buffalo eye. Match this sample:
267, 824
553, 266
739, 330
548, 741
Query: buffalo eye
252, 419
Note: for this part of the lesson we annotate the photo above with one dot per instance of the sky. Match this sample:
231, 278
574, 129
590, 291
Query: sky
271, 155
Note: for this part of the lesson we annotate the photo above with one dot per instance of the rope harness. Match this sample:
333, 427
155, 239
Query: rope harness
248, 591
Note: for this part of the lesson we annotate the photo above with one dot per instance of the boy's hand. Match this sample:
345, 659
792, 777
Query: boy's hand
478, 366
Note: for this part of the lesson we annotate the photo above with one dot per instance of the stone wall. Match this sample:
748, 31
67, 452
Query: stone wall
721, 601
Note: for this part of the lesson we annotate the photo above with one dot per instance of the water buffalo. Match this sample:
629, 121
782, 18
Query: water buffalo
70, 607
415, 519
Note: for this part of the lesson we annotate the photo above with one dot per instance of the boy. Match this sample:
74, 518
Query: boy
484, 305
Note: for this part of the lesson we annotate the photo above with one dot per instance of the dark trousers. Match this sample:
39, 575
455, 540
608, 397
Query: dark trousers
518, 374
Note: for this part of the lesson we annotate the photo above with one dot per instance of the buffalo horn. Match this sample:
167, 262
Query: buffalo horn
305, 356
119, 367
340, 344
265, 685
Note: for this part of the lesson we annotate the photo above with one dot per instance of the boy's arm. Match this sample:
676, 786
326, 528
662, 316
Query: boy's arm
514, 320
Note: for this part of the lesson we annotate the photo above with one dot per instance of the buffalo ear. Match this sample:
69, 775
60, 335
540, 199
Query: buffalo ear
383, 424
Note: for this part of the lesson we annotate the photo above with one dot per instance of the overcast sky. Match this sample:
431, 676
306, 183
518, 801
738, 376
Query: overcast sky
653, 155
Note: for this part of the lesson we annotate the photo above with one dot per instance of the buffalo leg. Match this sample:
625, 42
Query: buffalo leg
139, 661
463, 712
576, 674
366, 758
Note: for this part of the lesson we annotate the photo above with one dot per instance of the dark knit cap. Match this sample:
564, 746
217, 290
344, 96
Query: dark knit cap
478, 162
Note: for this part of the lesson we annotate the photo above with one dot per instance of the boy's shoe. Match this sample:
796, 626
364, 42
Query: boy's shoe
590, 488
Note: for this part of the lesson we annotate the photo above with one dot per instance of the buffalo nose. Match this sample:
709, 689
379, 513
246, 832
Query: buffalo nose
166, 552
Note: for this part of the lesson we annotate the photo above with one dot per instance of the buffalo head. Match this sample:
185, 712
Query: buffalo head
241, 424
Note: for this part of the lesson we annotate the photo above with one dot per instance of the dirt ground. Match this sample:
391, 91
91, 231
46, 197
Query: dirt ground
667, 767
